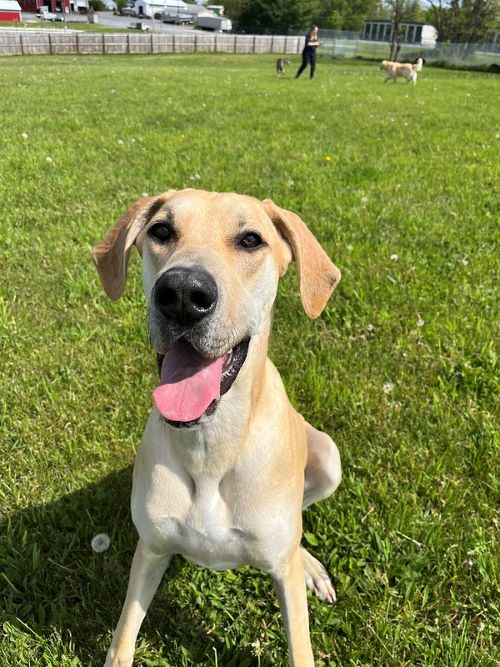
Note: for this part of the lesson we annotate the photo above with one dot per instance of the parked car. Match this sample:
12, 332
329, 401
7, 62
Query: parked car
127, 11
45, 15
49, 16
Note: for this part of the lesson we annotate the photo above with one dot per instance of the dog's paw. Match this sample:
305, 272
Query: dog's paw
317, 579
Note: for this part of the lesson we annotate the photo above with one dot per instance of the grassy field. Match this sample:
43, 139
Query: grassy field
398, 183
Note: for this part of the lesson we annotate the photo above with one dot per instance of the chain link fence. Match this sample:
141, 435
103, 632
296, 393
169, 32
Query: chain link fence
336, 44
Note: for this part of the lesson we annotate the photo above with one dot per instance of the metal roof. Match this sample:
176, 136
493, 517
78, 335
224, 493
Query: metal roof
10, 5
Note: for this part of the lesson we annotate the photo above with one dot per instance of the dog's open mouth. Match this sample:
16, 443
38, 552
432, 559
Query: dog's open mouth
191, 385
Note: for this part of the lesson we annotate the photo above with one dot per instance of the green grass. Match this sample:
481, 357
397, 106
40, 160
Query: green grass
399, 185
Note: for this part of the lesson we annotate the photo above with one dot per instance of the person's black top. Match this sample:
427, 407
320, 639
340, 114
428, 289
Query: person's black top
309, 48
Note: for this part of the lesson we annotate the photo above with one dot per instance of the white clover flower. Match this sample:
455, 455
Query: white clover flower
145, 194
195, 177
313, 117
120, 141
49, 159
100, 543
291, 183
420, 322
394, 258
364, 200
370, 328
24, 135
387, 387
464, 261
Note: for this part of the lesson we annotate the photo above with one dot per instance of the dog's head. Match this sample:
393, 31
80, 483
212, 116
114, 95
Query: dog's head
211, 265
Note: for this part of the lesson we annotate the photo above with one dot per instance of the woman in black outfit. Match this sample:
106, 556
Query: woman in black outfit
309, 52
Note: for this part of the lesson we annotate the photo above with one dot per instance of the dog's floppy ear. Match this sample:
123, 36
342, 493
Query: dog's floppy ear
111, 255
318, 276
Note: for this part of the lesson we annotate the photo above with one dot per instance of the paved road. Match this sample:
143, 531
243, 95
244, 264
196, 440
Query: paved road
108, 20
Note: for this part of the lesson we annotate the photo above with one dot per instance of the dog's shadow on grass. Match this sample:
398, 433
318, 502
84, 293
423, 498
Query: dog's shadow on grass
54, 583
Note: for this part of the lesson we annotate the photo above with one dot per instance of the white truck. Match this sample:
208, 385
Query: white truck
216, 23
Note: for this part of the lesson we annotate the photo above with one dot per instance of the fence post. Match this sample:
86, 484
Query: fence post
128, 42
151, 46
50, 45
195, 43
234, 45
173, 43
103, 44
21, 43
272, 44
254, 43
215, 43
77, 43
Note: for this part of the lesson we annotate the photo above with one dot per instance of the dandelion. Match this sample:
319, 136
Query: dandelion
100, 543
328, 158
387, 387
394, 258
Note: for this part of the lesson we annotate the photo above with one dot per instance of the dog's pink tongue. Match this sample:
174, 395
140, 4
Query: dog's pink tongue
188, 383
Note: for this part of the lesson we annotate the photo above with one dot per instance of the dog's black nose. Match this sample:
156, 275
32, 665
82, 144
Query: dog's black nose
185, 294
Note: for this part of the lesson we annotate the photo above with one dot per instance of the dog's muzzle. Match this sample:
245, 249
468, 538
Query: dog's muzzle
192, 380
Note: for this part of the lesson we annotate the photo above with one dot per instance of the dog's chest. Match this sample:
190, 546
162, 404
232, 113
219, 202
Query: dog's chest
204, 531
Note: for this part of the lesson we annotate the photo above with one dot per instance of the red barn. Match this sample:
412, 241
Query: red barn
10, 10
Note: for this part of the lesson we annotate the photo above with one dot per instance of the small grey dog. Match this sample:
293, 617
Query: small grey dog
281, 66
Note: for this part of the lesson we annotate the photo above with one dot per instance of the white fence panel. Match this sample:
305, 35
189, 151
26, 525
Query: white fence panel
140, 43
11, 44
116, 43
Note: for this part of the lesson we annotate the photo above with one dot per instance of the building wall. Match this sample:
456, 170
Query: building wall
412, 33
6, 15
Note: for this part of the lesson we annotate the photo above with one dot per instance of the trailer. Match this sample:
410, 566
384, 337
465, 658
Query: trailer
213, 22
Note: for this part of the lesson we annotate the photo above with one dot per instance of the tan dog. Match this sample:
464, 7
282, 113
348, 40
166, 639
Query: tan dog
406, 70
226, 464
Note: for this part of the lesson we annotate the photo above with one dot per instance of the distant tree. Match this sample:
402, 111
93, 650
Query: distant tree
399, 11
345, 14
233, 9
271, 16
463, 21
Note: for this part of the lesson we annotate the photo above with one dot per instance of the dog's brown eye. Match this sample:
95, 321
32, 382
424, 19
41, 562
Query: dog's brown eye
251, 240
161, 232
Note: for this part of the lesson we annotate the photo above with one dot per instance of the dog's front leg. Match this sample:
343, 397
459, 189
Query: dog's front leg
145, 576
291, 590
